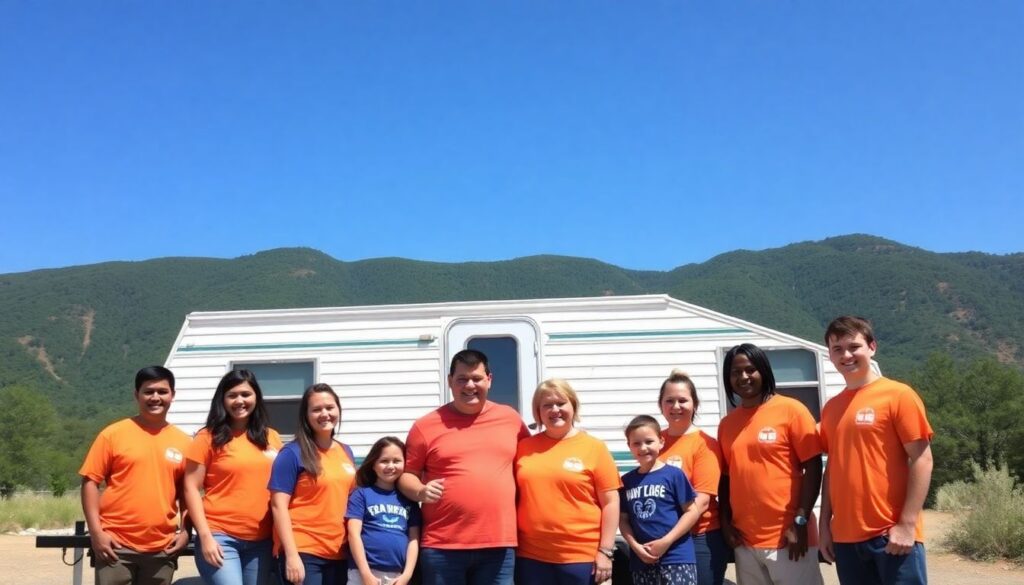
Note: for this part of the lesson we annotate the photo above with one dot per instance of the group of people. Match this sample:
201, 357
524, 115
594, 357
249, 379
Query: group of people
473, 498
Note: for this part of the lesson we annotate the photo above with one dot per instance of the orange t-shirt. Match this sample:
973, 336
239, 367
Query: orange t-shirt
762, 448
864, 431
559, 514
697, 455
474, 454
236, 499
317, 508
143, 468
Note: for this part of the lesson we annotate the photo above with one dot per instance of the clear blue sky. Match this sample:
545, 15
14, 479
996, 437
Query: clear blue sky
645, 134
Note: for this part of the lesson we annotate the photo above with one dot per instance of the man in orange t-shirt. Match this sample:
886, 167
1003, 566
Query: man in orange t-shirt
459, 465
134, 525
879, 467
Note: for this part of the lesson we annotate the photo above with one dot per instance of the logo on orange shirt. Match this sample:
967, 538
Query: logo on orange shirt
865, 416
675, 461
573, 464
173, 455
348, 468
767, 435
271, 453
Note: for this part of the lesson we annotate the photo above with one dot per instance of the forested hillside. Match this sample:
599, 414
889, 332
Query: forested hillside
79, 333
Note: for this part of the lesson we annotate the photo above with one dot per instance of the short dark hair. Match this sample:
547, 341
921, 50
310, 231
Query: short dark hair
680, 377
849, 325
760, 362
367, 475
469, 358
151, 373
640, 422
218, 421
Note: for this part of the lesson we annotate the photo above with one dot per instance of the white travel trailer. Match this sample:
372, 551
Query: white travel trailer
389, 363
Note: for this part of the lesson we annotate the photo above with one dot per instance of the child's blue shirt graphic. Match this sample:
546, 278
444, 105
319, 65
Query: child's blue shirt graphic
654, 502
386, 516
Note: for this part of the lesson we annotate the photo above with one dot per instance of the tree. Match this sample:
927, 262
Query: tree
975, 411
27, 427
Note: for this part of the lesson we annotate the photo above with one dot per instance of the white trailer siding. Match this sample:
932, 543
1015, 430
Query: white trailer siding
617, 363
388, 363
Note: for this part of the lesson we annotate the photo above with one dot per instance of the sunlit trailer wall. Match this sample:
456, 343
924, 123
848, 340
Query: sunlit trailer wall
389, 362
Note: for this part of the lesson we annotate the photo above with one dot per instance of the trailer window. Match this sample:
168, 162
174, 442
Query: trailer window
796, 376
282, 384
503, 358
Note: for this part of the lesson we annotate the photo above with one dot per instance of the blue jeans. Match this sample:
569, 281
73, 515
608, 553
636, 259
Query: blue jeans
482, 566
711, 557
319, 571
531, 572
246, 562
867, 563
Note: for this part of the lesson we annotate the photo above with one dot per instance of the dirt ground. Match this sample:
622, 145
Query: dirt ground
23, 564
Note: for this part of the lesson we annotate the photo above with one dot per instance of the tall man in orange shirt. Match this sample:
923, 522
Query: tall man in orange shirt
459, 465
134, 526
880, 463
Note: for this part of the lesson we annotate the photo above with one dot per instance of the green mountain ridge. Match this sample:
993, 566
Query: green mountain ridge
79, 333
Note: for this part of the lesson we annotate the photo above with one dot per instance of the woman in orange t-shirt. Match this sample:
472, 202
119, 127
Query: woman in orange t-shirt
230, 461
696, 453
771, 475
309, 488
568, 503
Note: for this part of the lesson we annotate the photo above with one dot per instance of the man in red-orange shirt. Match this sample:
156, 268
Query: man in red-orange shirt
459, 465
878, 441
134, 525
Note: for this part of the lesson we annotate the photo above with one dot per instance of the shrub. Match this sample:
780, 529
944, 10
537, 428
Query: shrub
993, 525
956, 496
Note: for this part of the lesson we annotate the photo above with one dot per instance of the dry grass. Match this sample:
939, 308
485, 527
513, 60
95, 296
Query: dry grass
25, 511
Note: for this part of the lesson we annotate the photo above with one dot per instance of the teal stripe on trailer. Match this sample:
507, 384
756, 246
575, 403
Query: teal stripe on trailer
301, 345
655, 333
623, 460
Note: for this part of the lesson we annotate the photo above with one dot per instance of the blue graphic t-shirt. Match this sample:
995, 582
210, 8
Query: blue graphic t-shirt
386, 516
654, 502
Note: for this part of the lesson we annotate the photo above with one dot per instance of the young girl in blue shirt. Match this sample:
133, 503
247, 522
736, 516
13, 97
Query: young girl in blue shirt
383, 525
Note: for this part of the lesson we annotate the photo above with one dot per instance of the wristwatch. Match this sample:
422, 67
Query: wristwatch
608, 552
800, 520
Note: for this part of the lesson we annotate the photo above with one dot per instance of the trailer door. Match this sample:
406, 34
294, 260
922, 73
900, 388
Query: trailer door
512, 353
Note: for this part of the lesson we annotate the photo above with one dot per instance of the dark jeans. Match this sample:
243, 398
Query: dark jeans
712, 557
531, 572
867, 563
482, 566
319, 571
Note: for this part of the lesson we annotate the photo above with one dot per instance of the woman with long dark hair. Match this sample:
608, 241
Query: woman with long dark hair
230, 460
771, 477
309, 486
